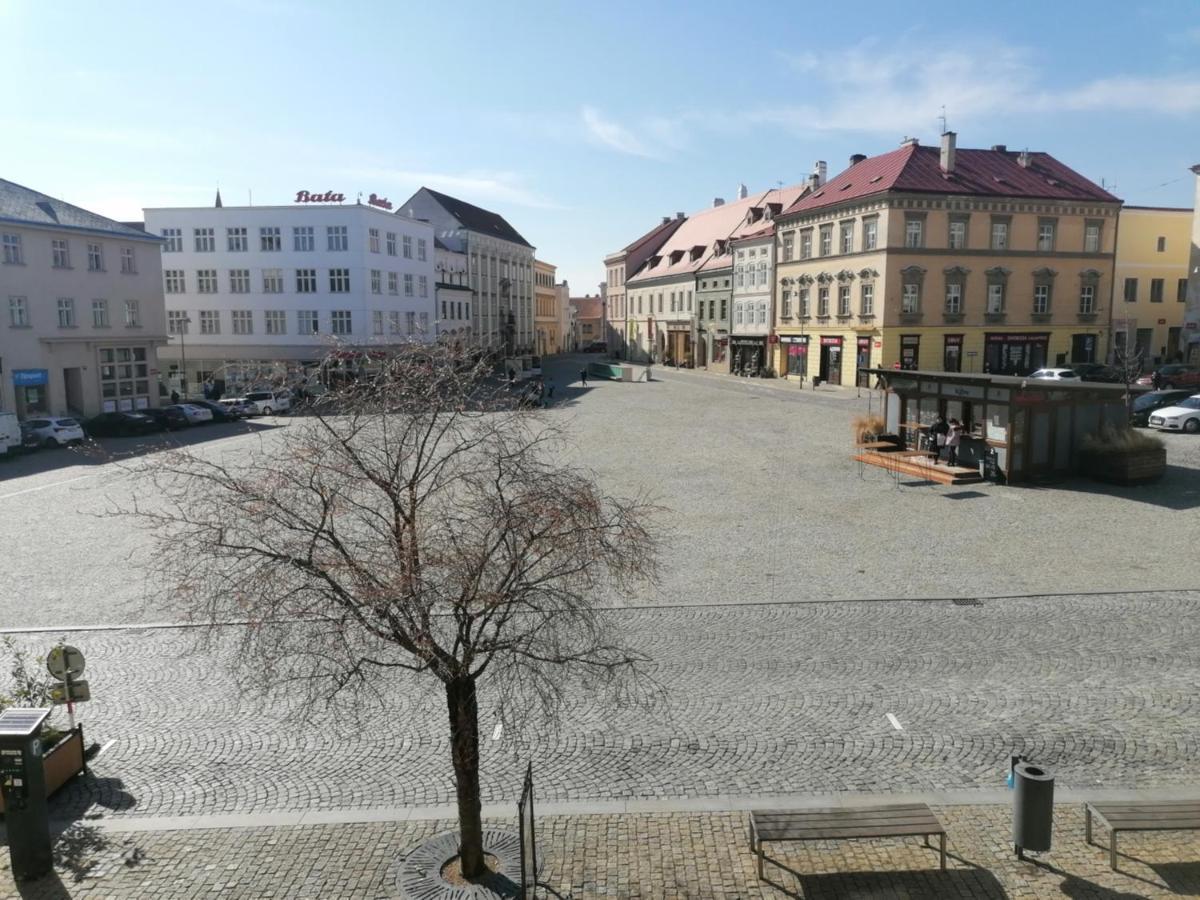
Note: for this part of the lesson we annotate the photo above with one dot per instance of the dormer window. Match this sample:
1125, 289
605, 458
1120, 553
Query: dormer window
676, 256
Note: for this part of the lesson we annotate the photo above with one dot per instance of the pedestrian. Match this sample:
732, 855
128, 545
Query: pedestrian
1155, 380
512, 376
549, 390
953, 439
174, 396
937, 436
583, 376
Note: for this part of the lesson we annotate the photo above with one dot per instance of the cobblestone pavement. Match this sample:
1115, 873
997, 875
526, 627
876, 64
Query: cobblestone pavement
665, 856
758, 700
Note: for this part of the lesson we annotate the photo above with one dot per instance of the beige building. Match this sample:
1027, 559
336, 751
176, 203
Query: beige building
1153, 246
616, 265
943, 258
83, 303
547, 318
587, 321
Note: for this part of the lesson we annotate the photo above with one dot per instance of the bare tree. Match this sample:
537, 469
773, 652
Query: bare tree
414, 521
1128, 358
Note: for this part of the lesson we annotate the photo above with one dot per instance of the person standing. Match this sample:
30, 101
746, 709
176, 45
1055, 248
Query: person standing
953, 439
937, 436
549, 391
583, 376
174, 396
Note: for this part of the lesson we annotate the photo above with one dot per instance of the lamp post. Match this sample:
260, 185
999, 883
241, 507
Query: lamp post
183, 327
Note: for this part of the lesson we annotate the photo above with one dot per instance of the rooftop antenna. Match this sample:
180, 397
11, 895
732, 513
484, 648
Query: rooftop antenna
943, 118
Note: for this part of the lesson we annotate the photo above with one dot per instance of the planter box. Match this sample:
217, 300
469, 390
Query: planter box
1141, 467
62, 762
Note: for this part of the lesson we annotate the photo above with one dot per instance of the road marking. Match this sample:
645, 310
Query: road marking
44, 486
497, 731
100, 752
895, 722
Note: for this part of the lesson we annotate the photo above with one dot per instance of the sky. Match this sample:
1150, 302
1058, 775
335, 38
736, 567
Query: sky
583, 124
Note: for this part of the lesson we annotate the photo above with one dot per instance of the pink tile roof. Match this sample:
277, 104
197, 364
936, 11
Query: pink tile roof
994, 173
587, 307
659, 231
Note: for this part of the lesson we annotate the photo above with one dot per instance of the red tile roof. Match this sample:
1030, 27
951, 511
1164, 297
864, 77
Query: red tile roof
994, 173
587, 307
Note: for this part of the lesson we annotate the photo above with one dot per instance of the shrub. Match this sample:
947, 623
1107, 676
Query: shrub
864, 426
1111, 441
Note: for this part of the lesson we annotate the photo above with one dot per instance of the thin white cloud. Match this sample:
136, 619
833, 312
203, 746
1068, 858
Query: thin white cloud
1166, 95
613, 135
474, 187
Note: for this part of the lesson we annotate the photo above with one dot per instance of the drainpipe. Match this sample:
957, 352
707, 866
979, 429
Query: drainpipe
1112, 295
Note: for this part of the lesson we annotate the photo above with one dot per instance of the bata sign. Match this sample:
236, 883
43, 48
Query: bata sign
327, 197
381, 202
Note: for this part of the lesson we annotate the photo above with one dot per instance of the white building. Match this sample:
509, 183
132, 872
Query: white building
753, 312
83, 309
454, 295
499, 266
252, 290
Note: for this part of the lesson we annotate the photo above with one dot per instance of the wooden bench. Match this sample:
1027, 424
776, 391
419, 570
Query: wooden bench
905, 820
1145, 815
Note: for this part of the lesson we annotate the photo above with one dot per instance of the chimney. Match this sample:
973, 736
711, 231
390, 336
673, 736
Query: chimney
948, 141
910, 141
679, 216
742, 192
820, 171
857, 158
811, 180
718, 201
666, 219
1000, 148
1024, 159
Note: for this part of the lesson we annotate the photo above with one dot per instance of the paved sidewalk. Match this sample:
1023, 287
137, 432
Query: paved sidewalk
648, 855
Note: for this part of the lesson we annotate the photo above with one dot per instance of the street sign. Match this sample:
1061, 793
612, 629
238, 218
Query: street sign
80, 693
972, 353
64, 662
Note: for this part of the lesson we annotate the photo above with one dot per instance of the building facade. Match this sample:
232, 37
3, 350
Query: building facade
949, 259
714, 292
548, 338
1153, 248
453, 296
587, 321
257, 292
1191, 315
83, 307
499, 266
751, 324
617, 266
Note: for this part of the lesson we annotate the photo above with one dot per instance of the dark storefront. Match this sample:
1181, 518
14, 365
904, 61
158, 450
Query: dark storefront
910, 351
862, 361
1014, 354
831, 360
795, 351
1083, 348
952, 353
747, 354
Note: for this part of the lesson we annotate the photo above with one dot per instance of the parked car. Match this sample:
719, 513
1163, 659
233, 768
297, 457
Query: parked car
196, 415
168, 417
1174, 375
56, 431
120, 423
239, 407
269, 402
220, 412
1151, 401
10, 433
1097, 372
1056, 375
1183, 416
596, 347
29, 439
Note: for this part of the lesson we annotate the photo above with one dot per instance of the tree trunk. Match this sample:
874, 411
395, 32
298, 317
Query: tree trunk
464, 748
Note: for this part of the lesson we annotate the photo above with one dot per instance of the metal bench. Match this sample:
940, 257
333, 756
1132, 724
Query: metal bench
1172, 815
904, 820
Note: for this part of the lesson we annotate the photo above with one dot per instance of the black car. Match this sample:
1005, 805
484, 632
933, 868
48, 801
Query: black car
169, 417
1145, 404
120, 423
1096, 372
220, 413
29, 438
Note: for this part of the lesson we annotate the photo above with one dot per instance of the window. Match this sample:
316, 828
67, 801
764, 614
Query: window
18, 312
424, 316
210, 321
738, 313
844, 300
803, 304
12, 249
100, 313
127, 261
1131, 286
910, 300
377, 321
408, 284
270, 239
1087, 299
340, 322
422, 285
826, 240
789, 241
174, 281
914, 228
239, 281
339, 281
761, 319
243, 321
410, 322
995, 298
376, 281
336, 237
823, 301
391, 243
60, 254
958, 234
1162, 244
739, 277
806, 244
870, 233
236, 240
1091, 237
306, 282
373, 239
785, 305
393, 283
724, 307
272, 281
407, 246
177, 321
421, 248
866, 299
66, 312
1046, 232
204, 240
302, 238
1181, 290
999, 234
847, 237
393, 322
1041, 299
1156, 290
95, 258
954, 298
174, 240
275, 321
206, 281
133, 314
306, 321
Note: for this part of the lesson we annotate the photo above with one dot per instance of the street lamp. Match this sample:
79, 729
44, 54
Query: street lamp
183, 327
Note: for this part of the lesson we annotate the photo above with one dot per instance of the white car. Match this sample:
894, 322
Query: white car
270, 402
240, 406
1056, 374
195, 414
55, 431
1184, 416
10, 433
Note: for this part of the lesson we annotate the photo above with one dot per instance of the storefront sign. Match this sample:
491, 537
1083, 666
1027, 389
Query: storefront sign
30, 377
864, 343
994, 338
1162, 321
878, 344
831, 341
910, 340
953, 340
381, 202
327, 197
794, 338
962, 390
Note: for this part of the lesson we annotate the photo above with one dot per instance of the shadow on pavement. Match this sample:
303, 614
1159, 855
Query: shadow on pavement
1178, 489
1180, 877
974, 883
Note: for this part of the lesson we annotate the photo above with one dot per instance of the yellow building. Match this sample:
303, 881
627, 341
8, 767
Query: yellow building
547, 321
1153, 246
944, 259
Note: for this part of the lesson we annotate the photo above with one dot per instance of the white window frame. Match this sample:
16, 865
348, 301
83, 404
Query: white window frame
210, 321
133, 314
391, 243
308, 321
177, 321
66, 312
236, 239
393, 280
275, 321
18, 311
60, 253
174, 281
406, 244
373, 239
337, 238
303, 239
239, 281
306, 281
953, 305
100, 313
866, 299
272, 281
242, 321
376, 281
341, 322
408, 284
421, 249
172, 240
270, 239
204, 240
910, 298
339, 281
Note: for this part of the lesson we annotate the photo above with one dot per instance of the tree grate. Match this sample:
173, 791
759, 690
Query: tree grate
967, 601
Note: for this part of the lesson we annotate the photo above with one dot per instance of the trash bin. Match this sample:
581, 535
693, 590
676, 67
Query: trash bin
1033, 807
